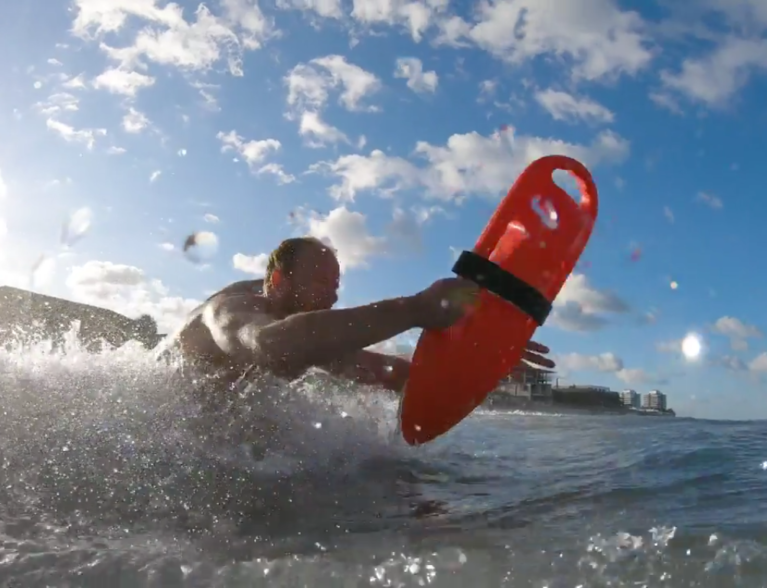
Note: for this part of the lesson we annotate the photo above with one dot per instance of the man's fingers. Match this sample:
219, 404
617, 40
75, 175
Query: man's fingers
538, 360
537, 347
465, 296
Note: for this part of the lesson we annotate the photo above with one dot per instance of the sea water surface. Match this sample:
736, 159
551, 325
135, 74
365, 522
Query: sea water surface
107, 481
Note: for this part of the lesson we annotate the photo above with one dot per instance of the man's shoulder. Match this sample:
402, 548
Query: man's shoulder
237, 303
243, 287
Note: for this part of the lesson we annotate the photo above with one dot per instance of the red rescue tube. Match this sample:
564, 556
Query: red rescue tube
521, 260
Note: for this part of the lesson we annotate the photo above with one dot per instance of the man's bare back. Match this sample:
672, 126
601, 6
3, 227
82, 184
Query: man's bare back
196, 342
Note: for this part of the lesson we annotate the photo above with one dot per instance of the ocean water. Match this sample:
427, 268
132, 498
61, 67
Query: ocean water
108, 481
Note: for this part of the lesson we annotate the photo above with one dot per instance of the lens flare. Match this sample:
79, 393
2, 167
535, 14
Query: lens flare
691, 346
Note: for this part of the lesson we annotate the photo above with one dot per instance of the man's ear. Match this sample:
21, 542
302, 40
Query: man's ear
276, 278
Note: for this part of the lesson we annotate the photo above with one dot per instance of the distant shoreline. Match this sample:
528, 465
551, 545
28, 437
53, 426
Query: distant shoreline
501, 401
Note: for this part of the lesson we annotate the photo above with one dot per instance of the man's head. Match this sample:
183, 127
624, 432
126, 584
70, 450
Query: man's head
302, 275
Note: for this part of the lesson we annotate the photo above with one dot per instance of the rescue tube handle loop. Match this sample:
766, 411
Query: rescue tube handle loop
532, 181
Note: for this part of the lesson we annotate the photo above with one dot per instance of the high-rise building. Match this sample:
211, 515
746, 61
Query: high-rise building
630, 398
655, 399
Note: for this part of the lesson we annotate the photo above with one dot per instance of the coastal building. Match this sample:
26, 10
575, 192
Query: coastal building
587, 395
631, 398
655, 399
527, 382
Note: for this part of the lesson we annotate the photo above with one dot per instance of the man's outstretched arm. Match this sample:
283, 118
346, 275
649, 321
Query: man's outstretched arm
369, 367
392, 372
314, 338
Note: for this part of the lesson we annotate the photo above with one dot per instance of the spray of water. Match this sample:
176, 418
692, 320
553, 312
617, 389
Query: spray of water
95, 444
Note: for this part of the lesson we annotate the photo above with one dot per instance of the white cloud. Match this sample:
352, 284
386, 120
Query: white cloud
411, 69
759, 363
167, 38
468, 164
577, 362
346, 231
710, 200
664, 100
669, 214
209, 100
735, 328
736, 364
58, 104
75, 83
737, 331
155, 175
713, 80
250, 264
127, 290
324, 8
566, 107
635, 376
318, 131
211, 218
121, 81
253, 152
276, 170
3, 187
415, 15
595, 37
487, 90
604, 362
360, 173
116, 150
72, 135
134, 121
309, 84
581, 307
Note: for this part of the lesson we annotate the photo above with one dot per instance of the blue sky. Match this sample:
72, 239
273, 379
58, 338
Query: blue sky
392, 129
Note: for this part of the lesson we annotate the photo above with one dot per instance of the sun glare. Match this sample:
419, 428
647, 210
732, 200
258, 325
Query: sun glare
691, 346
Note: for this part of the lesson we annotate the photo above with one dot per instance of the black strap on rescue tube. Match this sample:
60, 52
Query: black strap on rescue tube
492, 277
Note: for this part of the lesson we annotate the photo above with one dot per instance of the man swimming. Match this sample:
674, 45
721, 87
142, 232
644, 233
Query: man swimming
286, 323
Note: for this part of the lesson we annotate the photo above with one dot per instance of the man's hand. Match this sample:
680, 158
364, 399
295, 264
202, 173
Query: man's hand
533, 355
444, 303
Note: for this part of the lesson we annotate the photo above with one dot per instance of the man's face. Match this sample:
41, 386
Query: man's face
315, 279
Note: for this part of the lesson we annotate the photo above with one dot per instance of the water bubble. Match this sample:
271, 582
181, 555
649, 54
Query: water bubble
76, 226
200, 246
42, 270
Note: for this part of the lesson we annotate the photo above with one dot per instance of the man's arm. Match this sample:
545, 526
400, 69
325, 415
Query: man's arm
369, 367
314, 338
392, 372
